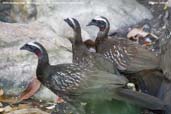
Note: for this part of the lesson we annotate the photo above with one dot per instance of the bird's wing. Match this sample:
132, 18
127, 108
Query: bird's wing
141, 58
128, 55
100, 85
67, 78
104, 64
102, 79
76, 81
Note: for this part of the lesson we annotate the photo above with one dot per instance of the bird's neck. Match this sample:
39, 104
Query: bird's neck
82, 56
77, 36
43, 63
102, 35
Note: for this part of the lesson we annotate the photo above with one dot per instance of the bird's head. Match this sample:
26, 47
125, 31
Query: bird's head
75, 25
101, 22
34, 47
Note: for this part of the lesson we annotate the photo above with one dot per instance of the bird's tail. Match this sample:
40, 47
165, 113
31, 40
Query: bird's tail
165, 94
139, 99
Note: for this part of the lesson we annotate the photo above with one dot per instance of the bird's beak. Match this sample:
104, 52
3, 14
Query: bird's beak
91, 23
69, 22
23, 47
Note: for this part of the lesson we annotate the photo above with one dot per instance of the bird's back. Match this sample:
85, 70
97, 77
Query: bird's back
128, 55
73, 80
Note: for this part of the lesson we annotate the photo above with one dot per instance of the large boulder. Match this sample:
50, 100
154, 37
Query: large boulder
119, 12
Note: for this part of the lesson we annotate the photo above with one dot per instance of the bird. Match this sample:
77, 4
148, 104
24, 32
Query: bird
83, 58
81, 53
126, 55
76, 84
131, 59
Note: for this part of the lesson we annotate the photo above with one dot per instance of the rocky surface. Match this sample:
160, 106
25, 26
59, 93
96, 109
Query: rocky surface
18, 67
119, 12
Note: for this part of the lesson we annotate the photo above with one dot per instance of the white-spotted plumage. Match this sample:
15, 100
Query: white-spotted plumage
115, 54
35, 45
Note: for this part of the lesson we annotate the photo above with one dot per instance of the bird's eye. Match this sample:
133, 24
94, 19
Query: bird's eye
99, 22
93, 20
27, 45
32, 48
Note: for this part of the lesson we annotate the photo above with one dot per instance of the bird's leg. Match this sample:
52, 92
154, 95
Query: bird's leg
31, 89
59, 100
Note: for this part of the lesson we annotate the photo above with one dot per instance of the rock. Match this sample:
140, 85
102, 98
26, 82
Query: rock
119, 12
165, 89
21, 12
51, 12
5, 12
165, 58
1, 110
28, 111
1, 105
7, 109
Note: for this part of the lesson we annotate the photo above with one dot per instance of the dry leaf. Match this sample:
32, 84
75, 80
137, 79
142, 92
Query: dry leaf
136, 31
31, 89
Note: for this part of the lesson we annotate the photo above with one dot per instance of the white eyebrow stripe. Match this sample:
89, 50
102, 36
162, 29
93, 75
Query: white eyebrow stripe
35, 45
72, 21
100, 19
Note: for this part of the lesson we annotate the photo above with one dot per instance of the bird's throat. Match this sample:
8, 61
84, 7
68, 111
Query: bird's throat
38, 53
